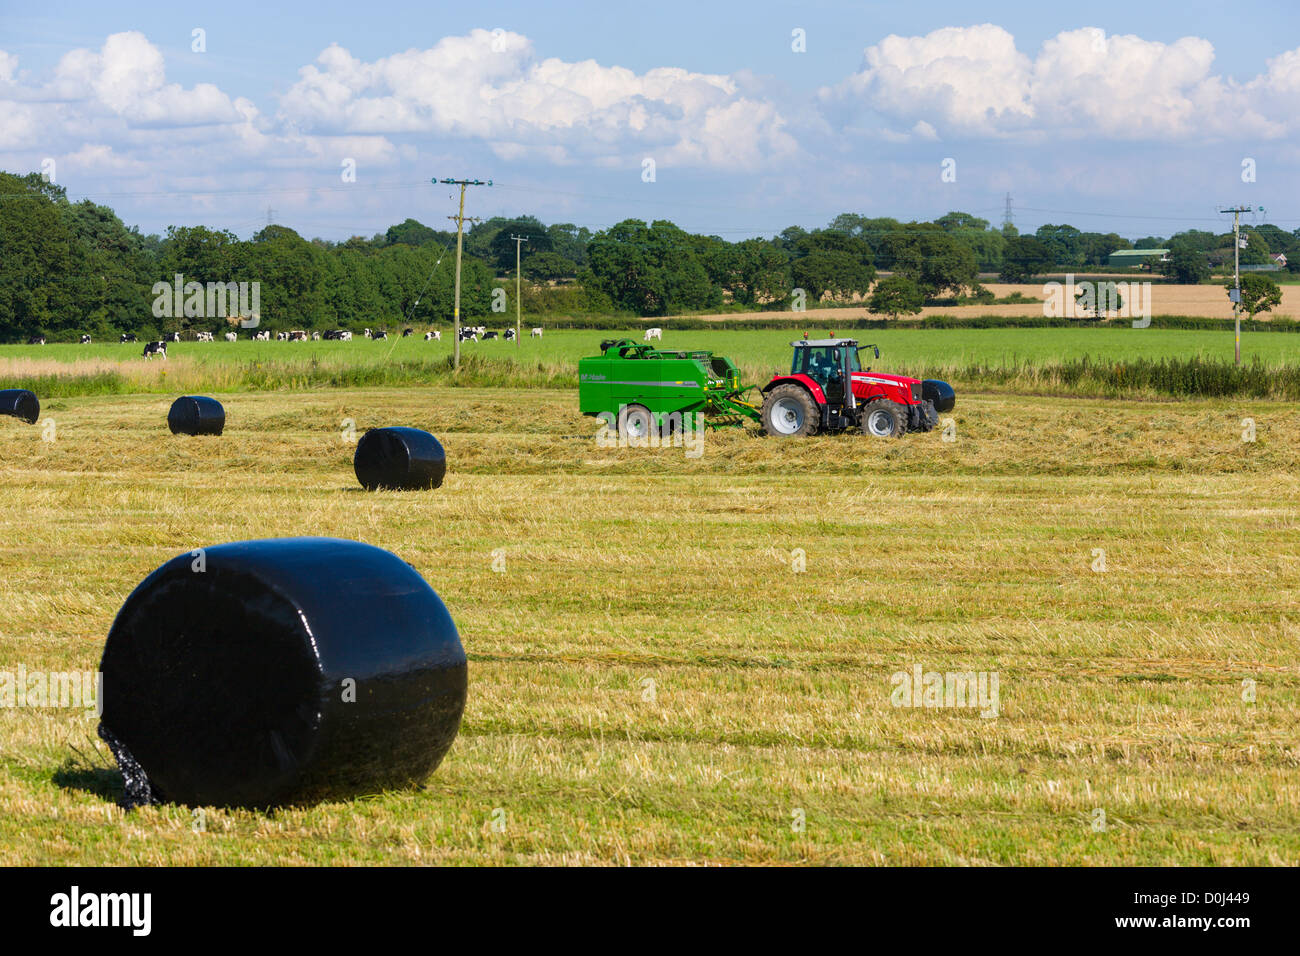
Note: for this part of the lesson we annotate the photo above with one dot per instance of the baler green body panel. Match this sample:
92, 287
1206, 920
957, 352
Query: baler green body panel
664, 382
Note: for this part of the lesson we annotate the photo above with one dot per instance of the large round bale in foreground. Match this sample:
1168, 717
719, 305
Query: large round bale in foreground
20, 403
196, 415
402, 458
279, 672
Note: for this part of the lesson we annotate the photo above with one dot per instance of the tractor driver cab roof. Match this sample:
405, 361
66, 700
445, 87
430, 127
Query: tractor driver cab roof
824, 342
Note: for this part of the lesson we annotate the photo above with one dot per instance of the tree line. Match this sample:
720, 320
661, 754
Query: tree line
70, 268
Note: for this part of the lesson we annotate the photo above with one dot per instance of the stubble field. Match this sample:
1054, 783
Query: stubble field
653, 679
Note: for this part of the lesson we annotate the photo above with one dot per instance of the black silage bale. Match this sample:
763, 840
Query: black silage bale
280, 672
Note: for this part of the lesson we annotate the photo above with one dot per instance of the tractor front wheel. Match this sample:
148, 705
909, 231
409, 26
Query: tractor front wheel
789, 410
883, 419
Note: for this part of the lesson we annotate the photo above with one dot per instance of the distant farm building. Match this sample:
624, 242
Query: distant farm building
1127, 258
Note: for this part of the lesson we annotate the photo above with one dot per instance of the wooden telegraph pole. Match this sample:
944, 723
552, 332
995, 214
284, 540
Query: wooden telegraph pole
519, 328
1236, 272
460, 229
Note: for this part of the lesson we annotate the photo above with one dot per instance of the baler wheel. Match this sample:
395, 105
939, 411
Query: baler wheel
634, 424
788, 411
883, 419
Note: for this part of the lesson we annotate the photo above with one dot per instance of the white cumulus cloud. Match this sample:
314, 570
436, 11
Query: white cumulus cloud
973, 81
493, 86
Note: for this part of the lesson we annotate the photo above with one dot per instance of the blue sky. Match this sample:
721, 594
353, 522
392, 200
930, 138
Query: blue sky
1126, 117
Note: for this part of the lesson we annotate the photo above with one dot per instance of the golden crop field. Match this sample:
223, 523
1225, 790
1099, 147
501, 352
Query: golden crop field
694, 659
1166, 299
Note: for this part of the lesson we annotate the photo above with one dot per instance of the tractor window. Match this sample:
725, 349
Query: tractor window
854, 364
817, 363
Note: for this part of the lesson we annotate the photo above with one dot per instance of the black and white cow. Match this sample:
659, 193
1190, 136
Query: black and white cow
434, 336
535, 333
85, 340
368, 333
154, 348
263, 336
380, 335
203, 336
36, 340
489, 335
407, 333
127, 337
297, 335
510, 335
232, 336
171, 337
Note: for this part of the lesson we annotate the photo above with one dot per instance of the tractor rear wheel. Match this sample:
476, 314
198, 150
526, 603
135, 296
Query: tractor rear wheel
883, 419
634, 424
789, 410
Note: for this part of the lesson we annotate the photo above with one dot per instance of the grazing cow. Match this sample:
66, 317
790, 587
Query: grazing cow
489, 335
204, 336
232, 336
382, 334
535, 334
171, 336
433, 336
468, 334
127, 337
263, 336
297, 335
653, 334
315, 336
406, 333
282, 336
36, 340
510, 335
338, 335
85, 340
368, 333
154, 348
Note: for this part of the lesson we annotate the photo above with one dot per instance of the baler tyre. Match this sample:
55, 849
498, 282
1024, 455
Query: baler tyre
788, 410
883, 419
634, 425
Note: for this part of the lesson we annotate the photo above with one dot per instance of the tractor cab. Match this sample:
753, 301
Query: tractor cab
830, 363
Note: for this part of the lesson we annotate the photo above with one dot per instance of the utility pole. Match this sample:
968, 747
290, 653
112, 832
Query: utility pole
519, 328
1236, 272
460, 228
1007, 218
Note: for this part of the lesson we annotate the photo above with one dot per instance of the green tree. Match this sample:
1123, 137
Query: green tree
931, 258
1259, 293
961, 220
1025, 257
894, 296
42, 263
501, 250
542, 266
1187, 265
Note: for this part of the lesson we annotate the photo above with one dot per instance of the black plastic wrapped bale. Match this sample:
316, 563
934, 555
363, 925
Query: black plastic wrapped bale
280, 672
20, 403
941, 393
402, 458
196, 415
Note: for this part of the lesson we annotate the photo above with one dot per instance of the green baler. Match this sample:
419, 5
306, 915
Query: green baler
638, 386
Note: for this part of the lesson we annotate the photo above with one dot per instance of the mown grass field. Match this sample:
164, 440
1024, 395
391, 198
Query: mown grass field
651, 680
760, 349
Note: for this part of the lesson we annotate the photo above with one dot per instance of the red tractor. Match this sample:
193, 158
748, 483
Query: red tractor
829, 390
